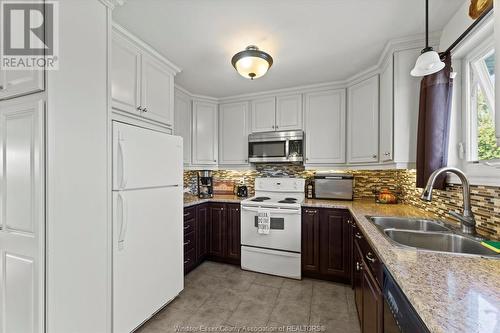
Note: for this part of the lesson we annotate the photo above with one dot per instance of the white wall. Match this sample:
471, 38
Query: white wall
456, 26
77, 225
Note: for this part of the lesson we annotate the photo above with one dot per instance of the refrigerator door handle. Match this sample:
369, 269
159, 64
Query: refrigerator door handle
121, 162
123, 221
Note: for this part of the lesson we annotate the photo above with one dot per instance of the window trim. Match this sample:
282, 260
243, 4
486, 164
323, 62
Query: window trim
469, 116
481, 173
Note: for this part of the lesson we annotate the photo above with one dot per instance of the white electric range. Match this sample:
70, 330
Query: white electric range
279, 252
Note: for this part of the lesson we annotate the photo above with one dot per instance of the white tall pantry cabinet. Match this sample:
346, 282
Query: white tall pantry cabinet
22, 229
54, 263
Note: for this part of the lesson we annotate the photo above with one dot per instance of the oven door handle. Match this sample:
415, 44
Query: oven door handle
279, 211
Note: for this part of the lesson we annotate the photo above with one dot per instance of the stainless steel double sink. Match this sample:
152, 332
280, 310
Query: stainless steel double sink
429, 235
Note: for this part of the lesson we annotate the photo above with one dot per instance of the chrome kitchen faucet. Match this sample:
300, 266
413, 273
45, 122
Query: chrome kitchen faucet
467, 219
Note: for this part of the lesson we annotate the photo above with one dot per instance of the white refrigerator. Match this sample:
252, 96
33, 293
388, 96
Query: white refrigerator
147, 223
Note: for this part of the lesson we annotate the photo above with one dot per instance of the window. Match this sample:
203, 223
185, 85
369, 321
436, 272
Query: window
482, 140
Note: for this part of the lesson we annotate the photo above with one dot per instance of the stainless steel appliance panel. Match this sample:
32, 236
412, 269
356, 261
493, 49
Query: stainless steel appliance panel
333, 187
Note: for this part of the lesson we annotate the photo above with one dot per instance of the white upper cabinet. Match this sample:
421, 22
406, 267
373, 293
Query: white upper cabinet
205, 143
142, 82
282, 113
289, 112
182, 120
157, 91
386, 111
362, 121
20, 82
125, 74
406, 106
264, 114
233, 133
325, 127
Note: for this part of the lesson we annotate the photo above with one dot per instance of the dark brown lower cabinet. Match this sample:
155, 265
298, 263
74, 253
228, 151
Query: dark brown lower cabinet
224, 232
216, 230
211, 231
334, 244
190, 257
233, 234
367, 292
326, 244
357, 279
202, 231
373, 313
310, 241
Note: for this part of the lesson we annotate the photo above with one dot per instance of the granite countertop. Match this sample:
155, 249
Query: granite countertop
450, 292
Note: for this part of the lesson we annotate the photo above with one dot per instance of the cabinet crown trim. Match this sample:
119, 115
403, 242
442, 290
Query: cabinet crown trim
144, 46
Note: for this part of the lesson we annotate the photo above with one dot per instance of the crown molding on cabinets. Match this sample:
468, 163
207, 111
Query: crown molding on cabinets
195, 96
144, 46
112, 4
400, 44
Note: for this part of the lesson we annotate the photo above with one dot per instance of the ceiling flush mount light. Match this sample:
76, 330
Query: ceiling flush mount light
252, 63
428, 62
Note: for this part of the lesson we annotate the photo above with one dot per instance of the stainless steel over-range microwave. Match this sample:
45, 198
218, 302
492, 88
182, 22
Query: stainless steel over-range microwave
275, 147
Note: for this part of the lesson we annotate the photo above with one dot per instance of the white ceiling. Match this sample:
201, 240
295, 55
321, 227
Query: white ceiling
311, 41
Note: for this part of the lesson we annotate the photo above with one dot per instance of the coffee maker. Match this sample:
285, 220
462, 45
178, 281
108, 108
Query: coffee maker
205, 184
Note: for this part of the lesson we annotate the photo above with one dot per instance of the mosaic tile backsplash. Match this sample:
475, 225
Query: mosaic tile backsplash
485, 199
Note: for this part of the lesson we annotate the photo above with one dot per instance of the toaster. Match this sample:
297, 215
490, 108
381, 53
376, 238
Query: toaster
333, 186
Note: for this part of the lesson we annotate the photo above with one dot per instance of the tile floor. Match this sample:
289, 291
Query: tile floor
223, 295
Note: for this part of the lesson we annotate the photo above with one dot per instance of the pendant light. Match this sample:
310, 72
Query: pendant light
428, 62
252, 63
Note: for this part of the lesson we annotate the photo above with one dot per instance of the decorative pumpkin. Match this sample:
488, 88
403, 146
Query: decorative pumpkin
385, 196
477, 7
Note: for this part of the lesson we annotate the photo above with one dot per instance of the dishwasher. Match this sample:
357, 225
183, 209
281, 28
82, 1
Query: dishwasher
399, 314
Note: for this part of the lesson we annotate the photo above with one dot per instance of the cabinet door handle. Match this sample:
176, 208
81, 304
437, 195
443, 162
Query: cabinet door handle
272, 126
187, 243
186, 227
186, 214
144, 110
186, 261
374, 156
309, 211
139, 108
358, 235
370, 258
359, 267
1, 87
